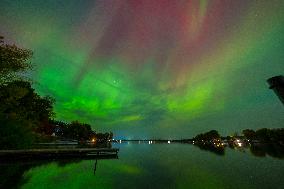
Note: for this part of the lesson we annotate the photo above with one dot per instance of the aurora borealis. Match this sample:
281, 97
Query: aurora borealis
144, 68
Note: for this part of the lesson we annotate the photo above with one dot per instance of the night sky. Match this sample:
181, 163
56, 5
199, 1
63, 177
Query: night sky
154, 68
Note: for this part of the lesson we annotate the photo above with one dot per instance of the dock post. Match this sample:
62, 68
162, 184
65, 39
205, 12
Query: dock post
95, 168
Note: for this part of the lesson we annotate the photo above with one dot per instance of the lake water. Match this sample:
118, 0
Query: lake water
152, 166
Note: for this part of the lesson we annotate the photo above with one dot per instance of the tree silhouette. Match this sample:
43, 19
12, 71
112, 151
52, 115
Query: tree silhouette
13, 60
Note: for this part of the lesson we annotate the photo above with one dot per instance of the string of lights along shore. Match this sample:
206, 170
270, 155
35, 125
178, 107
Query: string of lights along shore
154, 68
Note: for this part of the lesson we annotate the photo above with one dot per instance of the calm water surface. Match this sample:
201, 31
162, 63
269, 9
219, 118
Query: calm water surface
151, 166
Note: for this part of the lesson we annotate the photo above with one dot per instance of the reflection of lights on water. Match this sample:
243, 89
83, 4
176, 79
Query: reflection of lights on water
119, 141
169, 142
149, 142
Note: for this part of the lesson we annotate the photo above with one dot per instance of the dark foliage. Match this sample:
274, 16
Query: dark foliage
208, 136
25, 116
265, 135
12, 61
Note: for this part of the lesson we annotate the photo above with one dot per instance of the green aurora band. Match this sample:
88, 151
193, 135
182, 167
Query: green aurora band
154, 68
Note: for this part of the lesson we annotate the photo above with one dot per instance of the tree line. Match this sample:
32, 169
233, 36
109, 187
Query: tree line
260, 135
25, 116
260, 142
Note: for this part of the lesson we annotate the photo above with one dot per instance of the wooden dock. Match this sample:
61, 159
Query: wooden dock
89, 153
